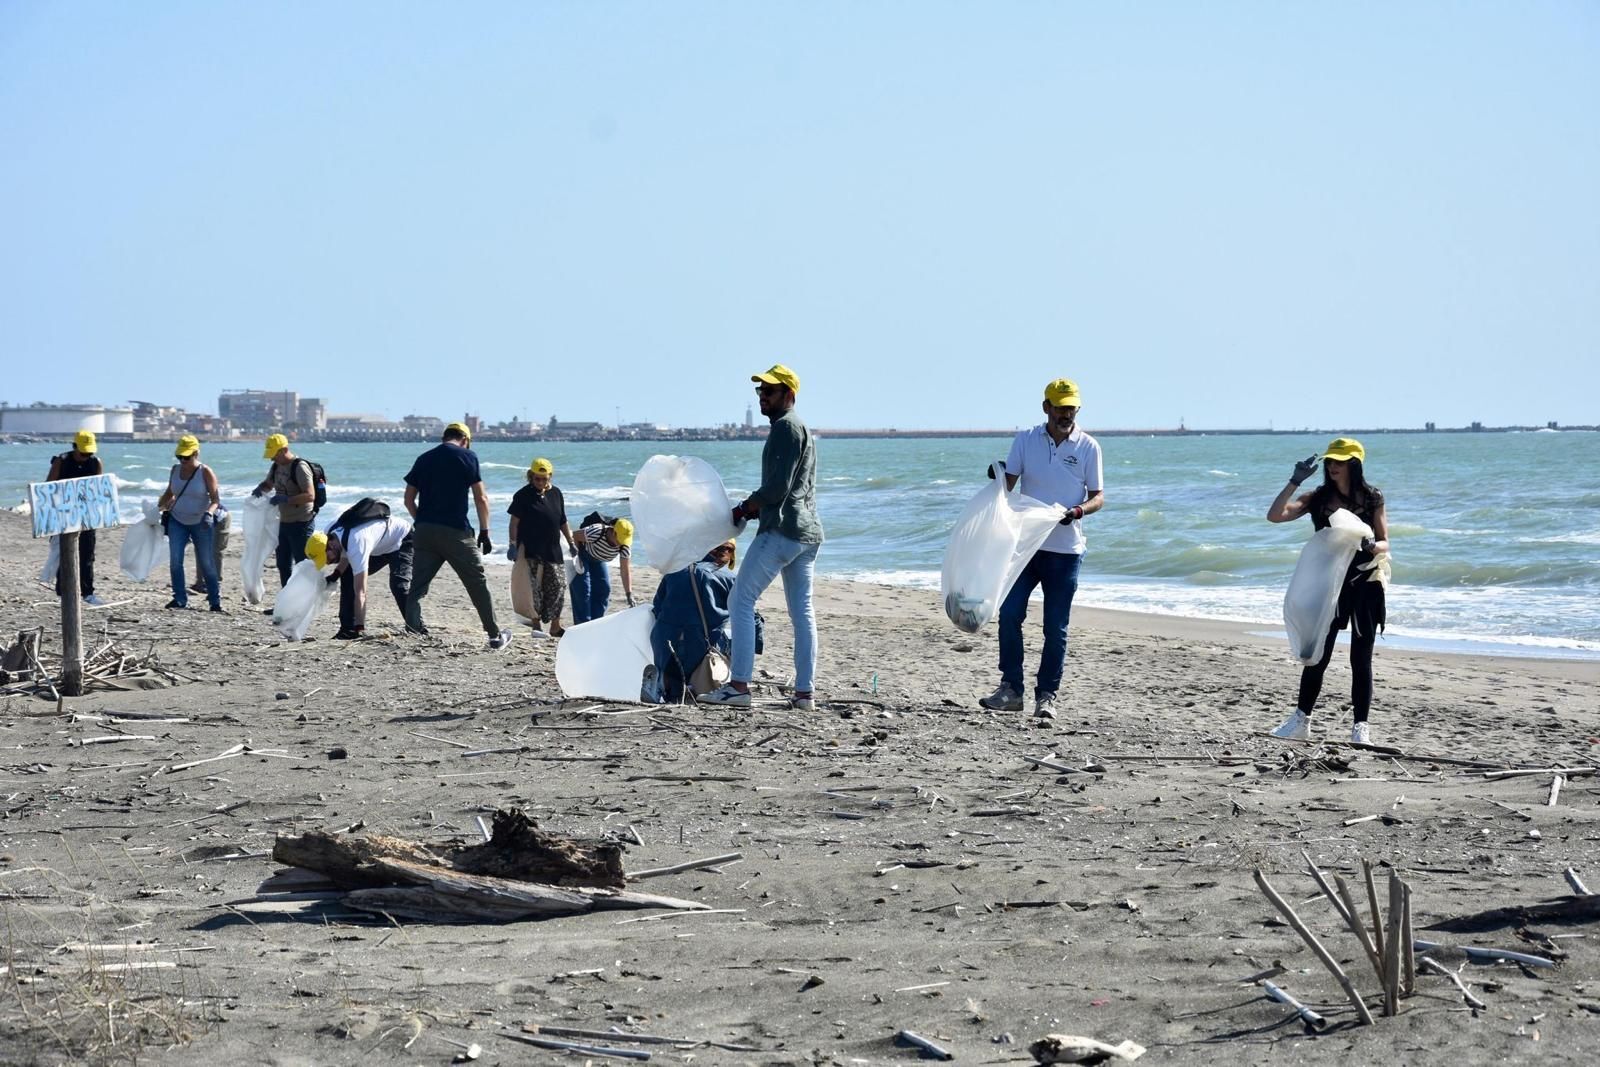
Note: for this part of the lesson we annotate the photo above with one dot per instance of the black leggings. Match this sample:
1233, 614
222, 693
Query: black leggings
1360, 673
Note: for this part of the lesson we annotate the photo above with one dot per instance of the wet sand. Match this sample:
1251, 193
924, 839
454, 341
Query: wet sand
904, 867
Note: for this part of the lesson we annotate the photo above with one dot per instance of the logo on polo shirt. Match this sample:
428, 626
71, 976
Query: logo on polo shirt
1070, 459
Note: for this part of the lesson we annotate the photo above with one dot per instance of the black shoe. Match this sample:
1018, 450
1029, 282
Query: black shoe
173, 605
198, 587
217, 609
348, 635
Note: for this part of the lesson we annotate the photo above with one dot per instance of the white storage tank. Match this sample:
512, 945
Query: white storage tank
65, 419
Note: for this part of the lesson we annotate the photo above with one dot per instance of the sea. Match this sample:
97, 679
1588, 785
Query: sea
1495, 536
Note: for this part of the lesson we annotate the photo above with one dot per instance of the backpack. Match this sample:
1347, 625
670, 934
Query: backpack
594, 517
319, 482
359, 514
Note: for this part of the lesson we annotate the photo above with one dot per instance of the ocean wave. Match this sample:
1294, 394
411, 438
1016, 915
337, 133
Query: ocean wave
1223, 474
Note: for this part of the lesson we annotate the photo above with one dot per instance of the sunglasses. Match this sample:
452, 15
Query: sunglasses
769, 390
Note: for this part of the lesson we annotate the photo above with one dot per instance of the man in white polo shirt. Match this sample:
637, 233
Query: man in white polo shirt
1057, 463
364, 540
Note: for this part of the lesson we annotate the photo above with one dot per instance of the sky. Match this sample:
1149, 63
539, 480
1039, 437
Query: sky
1225, 214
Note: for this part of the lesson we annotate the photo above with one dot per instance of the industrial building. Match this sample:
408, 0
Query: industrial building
65, 419
260, 409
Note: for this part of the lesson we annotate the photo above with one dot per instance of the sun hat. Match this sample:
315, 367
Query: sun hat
1345, 448
460, 428
1063, 393
84, 442
541, 466
778, 374
624, 530
317, 549
275, 444
188, 445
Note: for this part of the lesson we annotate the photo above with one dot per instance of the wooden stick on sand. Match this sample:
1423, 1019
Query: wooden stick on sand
1316, 946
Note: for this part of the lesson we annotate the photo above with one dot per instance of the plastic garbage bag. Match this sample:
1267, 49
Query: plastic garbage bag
605, 659
301, 601
143, 545
522, 587
680, 510
260, 543
52, 562
995, 537
1313, 595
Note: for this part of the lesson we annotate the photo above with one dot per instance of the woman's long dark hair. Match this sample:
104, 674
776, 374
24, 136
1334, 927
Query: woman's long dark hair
1362, 496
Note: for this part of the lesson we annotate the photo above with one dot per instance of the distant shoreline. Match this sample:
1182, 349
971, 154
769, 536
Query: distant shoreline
887, 433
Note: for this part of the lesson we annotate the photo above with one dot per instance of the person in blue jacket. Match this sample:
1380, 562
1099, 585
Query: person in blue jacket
679, 636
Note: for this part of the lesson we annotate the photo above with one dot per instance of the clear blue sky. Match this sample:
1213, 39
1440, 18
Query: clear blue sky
1331, 215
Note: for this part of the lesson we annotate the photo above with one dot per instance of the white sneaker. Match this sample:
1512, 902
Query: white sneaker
501, 641
1296, 727
1360, 734
1044, 706
539, 635
1003, 699
95, 600
727, 696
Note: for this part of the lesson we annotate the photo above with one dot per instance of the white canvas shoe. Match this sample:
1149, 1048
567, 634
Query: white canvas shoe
1360, 734
1296, 727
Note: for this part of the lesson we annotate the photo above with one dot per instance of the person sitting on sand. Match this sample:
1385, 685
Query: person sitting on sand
1361, 595
538, 526
600, 541
1057, 463
787, 541
363, 541
191, 501
80, 462
437, 487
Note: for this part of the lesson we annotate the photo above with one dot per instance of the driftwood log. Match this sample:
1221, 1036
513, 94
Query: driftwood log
1571, 909
522, 872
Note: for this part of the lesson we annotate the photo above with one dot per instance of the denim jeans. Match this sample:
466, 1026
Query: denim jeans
292, 537
591, 589
770, 555
1057, 572
201, 534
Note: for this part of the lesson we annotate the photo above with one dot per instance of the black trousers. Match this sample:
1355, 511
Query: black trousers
85, 566
1361, 645
399, 564
292, 537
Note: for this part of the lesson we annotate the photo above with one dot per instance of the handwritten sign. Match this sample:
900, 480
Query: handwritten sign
73, 505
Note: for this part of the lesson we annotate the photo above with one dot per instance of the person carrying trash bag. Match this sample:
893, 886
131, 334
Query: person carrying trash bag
1057, 463
538, 526
787, 541
365, 539
80, 462
292, 483
1361, 604
190, 502
599, 541
437, 487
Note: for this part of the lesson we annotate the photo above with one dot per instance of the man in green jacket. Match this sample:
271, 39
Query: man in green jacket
786, 543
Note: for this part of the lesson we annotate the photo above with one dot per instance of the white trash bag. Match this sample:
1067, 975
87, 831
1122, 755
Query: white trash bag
605, 658
301, 601
1313, 595
143, 545
52, 562
260, 542
995, 537
680, 511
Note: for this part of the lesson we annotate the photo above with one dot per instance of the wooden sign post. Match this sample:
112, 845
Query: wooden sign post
64, 509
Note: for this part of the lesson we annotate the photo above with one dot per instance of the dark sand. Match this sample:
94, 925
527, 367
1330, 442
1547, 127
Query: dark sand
907, 914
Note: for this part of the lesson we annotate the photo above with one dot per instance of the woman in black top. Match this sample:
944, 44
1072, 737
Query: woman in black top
538, 525
1361, 596
81, 462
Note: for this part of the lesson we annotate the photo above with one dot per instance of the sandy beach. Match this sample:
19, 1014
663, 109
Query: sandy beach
904, 867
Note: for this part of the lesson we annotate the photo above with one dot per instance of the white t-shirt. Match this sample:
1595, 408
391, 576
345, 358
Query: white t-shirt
1057, 474
374, 539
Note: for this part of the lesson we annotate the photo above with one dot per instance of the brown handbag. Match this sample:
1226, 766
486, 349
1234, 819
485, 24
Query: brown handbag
714, 671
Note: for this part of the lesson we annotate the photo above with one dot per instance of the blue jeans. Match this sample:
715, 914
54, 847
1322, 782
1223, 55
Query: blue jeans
591, 589
770, 555
1058, 573
205, 556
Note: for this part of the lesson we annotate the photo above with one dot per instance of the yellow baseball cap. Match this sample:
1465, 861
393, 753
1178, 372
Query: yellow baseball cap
317, 549
460, 428
188, 445
275, 443
84, 442
624, 530
1345, 448
1063, 393
779, 375
541, 466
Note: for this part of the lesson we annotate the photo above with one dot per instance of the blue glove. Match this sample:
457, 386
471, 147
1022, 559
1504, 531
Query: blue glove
511, 553
278, 499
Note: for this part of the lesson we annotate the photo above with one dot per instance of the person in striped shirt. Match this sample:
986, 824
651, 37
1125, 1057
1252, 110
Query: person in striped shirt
600, 542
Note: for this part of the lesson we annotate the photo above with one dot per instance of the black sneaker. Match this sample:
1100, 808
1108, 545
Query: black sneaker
348, 635
216, 609
173, 605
